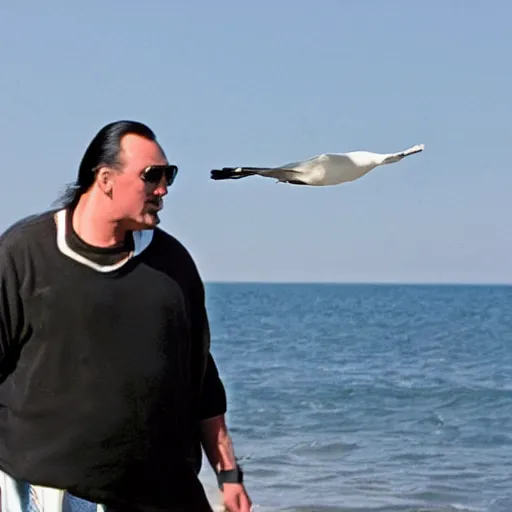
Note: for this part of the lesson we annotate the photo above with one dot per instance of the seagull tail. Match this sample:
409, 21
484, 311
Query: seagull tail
234, 173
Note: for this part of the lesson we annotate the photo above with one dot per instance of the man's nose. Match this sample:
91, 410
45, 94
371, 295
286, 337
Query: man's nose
161, 188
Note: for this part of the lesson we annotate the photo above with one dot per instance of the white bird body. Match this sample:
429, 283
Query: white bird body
322, 170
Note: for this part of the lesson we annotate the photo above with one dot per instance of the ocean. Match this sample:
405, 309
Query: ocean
380, 398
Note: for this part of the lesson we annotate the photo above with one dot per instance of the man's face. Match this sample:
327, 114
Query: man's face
136, 202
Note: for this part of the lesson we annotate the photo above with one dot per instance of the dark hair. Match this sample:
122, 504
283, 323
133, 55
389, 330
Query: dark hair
104, 149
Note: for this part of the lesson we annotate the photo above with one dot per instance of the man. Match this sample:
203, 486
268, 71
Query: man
108, 389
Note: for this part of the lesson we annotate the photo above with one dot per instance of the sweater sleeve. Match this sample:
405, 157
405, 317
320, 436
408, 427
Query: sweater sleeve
11, 314
213, 395
212, 400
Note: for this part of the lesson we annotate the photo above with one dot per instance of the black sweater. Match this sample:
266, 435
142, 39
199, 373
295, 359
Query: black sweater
105, 371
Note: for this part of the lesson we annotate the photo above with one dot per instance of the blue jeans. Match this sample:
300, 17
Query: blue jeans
19, 496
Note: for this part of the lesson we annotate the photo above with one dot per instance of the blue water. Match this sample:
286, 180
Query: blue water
368, 398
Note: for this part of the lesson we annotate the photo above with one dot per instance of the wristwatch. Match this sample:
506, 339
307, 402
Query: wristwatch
230, 476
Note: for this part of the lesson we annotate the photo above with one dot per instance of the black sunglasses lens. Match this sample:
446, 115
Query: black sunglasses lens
154, 174
170, 174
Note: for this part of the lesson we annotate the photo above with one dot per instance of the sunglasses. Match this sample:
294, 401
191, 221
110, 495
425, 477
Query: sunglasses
153, 174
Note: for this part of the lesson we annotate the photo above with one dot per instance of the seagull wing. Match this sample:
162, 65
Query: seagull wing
279, 173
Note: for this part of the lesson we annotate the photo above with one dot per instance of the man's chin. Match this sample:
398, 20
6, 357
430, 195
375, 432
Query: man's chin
151, 220
148, 220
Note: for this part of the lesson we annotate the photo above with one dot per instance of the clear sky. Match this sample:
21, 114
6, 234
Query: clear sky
263, 83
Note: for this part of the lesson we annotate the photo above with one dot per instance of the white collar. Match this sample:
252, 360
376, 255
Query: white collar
141, 241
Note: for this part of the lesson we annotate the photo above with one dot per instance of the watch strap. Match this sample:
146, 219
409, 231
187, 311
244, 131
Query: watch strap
230, 476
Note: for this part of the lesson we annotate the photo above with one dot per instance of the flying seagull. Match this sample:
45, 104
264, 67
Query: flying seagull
320, 170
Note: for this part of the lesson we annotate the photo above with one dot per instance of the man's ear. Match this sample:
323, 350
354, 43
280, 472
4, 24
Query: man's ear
104, 179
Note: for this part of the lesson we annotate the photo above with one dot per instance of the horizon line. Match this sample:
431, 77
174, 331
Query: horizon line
360, 283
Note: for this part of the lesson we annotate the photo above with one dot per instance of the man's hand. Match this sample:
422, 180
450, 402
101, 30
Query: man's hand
236, 498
